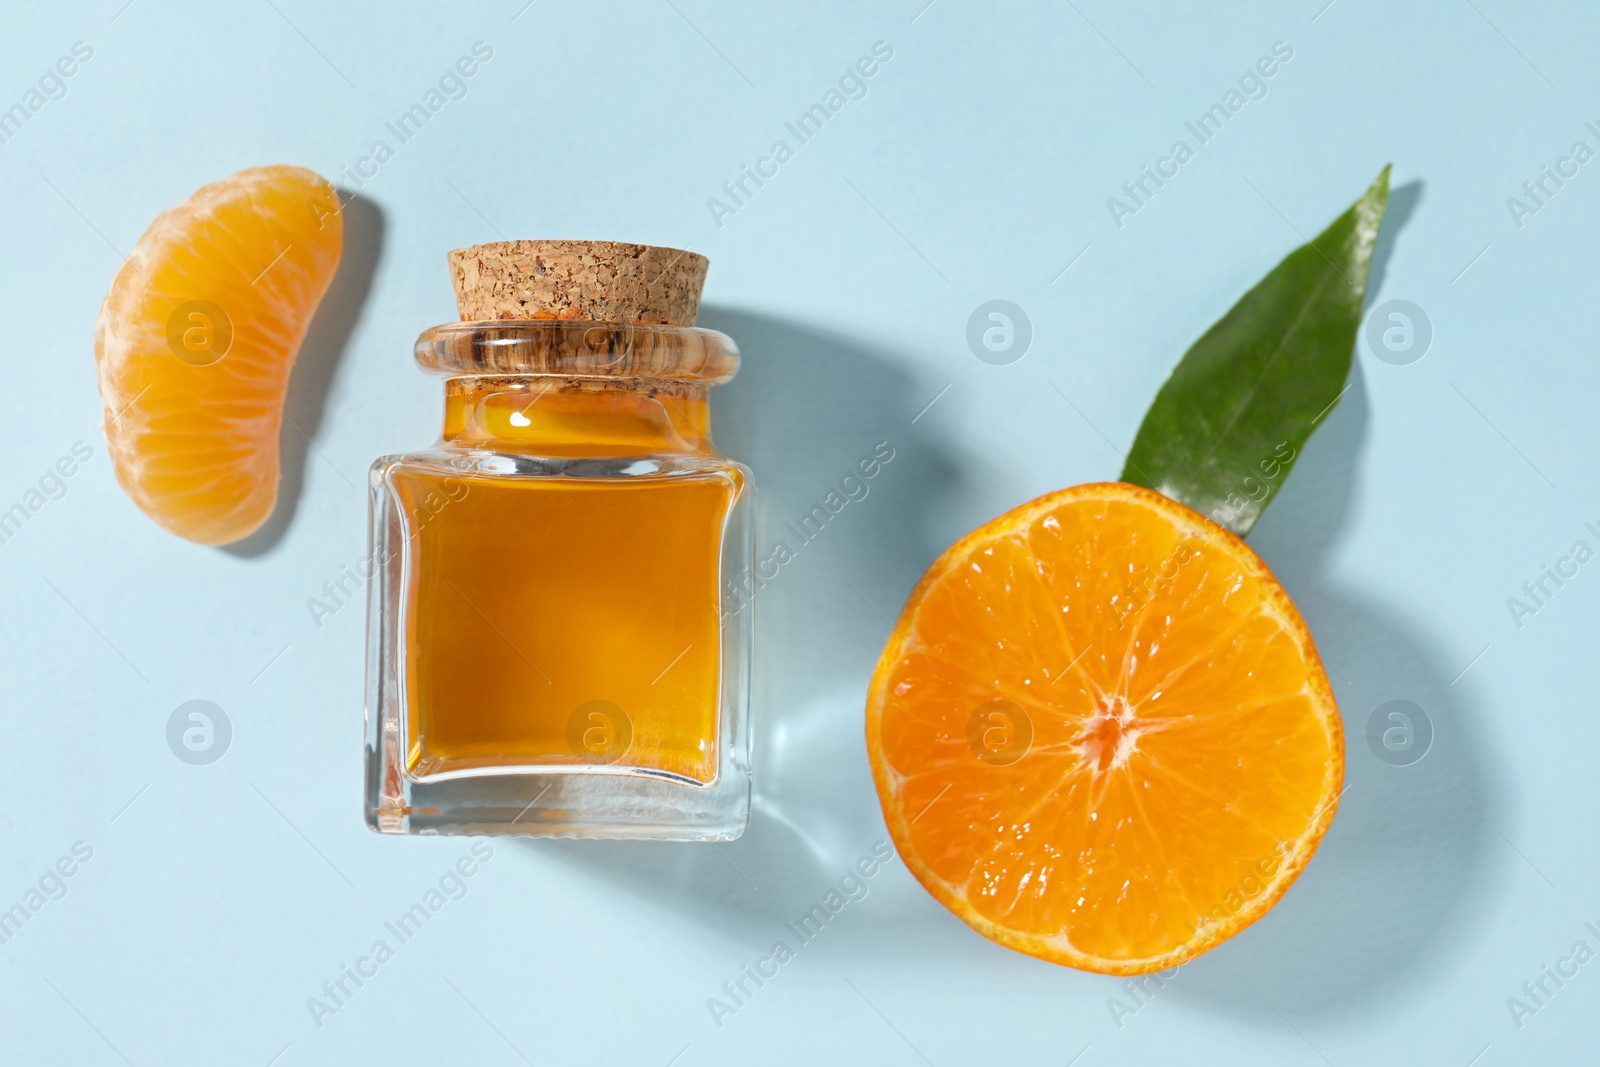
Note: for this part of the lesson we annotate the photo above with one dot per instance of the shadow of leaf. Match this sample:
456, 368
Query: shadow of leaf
1408, 866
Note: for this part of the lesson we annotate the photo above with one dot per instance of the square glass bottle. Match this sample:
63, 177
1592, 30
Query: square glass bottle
548, 648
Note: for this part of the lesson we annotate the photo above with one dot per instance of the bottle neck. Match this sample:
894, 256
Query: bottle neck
577, 417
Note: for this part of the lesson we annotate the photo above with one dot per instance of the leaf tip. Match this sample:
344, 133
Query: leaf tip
1379, 189
1372, 206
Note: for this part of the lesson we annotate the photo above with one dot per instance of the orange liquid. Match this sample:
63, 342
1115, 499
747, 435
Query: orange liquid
562, 621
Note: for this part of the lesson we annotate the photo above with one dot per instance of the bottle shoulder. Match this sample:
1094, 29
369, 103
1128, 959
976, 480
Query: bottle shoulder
446, 462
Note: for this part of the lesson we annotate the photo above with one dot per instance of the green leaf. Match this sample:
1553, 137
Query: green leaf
1231, 419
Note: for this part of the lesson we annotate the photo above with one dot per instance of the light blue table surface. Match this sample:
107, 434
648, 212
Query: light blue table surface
216, 900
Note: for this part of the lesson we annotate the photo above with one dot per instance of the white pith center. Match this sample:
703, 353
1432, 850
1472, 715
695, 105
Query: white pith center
1110, 736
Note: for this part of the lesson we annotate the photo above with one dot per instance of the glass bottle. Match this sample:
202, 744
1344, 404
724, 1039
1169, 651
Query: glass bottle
549, 652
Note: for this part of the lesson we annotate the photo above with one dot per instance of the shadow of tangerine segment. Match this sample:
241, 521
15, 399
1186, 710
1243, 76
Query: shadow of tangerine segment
532, 601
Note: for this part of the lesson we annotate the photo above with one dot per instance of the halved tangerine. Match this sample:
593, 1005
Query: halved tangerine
1101, 733
196, 339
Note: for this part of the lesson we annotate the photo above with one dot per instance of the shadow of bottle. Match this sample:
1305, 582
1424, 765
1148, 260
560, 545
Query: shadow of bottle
1410, 858
805, 407
312, 379
1405, 867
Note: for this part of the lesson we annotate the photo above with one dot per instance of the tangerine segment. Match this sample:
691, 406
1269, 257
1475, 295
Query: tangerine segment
1101, 733
196, 339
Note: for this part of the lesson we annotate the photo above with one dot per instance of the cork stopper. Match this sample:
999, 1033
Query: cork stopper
597, 281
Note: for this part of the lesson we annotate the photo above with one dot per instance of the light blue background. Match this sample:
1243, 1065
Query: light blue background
220, 898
